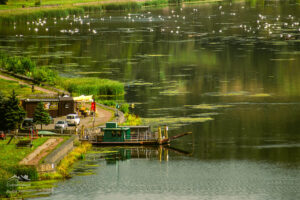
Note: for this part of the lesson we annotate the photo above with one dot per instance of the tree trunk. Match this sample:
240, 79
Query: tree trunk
41, 126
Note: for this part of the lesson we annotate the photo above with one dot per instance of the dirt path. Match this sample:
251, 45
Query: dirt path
34, 157
24, 83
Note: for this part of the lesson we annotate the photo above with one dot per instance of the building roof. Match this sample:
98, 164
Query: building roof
50, 99
43, 100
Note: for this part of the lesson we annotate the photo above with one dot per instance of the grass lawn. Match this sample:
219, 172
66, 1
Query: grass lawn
11, 155
21, 90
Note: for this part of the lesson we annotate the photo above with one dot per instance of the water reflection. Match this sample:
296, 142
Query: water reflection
137, 173
228, 72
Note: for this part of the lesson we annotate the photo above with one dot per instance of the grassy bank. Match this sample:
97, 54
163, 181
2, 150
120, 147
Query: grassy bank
9, 162
30, 10
21, 90
64, 167
44, 75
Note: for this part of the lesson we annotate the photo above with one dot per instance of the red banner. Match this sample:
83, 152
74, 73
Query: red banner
93, 106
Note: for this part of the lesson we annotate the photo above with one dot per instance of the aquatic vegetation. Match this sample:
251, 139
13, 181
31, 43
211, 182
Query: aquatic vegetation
173, 92
174, 122
260, 95
78, 153
94, 86
208, 106
140, 83
32, 14
228, 94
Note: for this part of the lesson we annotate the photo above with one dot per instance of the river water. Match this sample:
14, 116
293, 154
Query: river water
228, 72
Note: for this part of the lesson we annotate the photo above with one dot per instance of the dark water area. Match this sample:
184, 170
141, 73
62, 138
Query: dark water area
228, 72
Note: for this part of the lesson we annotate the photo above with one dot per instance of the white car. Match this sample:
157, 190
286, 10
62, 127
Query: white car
73, 119
61, 125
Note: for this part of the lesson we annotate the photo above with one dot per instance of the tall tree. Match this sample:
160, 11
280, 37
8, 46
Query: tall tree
41, 116
12, 114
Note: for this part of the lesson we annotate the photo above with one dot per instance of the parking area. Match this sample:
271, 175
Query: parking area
101, 117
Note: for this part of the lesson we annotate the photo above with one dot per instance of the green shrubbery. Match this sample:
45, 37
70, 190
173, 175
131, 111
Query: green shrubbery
25, 66
19, 65
94, 86
45, 75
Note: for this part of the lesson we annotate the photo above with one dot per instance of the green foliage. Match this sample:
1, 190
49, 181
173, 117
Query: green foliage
132, 120
11, 113
25, 170
19, 65
9, 159
110, 103
4, 176
124, 108
38, 3
94, 86
41, 116
44, 74
122, 6
41, 13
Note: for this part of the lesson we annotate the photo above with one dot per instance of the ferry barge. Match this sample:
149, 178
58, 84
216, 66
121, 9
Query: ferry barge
115, 135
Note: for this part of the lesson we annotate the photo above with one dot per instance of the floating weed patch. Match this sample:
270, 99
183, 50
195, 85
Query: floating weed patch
156, 55
207, 106
173, 92
140, 83
228, 94
86, 174
260, 95
175, 122
205, 114
102, 152
34, 185
86, 73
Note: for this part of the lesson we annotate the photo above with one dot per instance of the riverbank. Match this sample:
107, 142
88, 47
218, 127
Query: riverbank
50, 158
30, 10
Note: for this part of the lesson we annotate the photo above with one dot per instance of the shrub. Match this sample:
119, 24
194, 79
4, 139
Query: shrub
19, 65
37, 3
124, 108
44, 74
25, 170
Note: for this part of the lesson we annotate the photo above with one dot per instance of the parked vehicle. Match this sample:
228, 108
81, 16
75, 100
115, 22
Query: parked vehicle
73, 119
27, 123
61, 125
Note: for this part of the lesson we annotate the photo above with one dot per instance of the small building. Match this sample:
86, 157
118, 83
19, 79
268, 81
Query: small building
113, 133
56, 107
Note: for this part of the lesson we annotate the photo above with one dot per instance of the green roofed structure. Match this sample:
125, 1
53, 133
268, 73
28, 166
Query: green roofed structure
113, 133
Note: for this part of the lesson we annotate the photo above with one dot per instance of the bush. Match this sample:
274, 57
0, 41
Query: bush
25, 170
19, 65
45, 75
37, 3
124, 108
